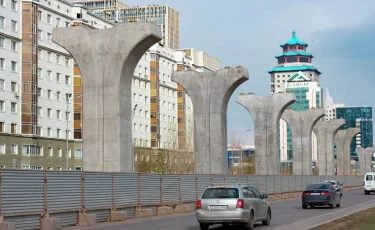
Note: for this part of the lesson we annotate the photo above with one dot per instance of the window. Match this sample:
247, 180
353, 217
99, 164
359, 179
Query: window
2, 148
49, 113
220, 193
369, 178
13, 86
146, 114
49, 132
49, 94
13, 5
1, 127
40, 111
57, 59
59, 152
59, 168
49, 168
67, 116
2, 84
14, 149
40, 73
140, 128
58, 94
2, 106
58, 78
13, 107
78, 153
49, 56
14, 66
67, 62
66, 24
2, 66
39, 131
146, 100
13, 45
58, 133
2, 2
49, 37
31, 150
39, 15
2, 21
39, 34
67, 80
58, 114
13, 25
146, 128
13, 128
78, 168
50, 151
2, 41
49, 19
57, 22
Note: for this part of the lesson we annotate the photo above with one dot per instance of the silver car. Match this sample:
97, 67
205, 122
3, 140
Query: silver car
232, 204
337, 185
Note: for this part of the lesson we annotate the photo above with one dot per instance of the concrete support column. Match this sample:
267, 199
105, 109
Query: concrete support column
325, 132
210, 93
364, 158
343, 139
107, 59
266, 112
301, 124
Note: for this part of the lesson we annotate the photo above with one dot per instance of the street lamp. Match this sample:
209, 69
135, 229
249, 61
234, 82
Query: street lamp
68, 99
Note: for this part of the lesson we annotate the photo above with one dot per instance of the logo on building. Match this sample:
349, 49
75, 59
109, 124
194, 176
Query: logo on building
299, 77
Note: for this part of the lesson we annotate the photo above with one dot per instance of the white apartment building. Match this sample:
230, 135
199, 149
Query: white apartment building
330, 107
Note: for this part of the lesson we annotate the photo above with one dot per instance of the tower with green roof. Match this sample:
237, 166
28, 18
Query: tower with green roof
296, 74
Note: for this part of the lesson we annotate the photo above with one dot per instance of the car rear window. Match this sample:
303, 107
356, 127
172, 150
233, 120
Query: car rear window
317, 186
369, 178
220, 193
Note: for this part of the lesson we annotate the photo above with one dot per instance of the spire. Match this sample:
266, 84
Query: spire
294, 33
294, 40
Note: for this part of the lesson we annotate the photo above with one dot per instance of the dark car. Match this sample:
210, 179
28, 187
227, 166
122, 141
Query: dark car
320, 194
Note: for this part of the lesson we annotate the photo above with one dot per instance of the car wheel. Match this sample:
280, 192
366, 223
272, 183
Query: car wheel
333, 205
204, 226
250, 225
366, 193
304, 206
268, 220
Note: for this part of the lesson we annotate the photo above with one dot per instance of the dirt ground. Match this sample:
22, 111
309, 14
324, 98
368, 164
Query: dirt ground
363, 220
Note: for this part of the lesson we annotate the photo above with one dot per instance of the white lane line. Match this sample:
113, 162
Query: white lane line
315, 217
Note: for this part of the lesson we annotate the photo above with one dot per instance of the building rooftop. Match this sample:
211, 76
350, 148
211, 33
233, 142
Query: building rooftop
295, 53
293, 68
294, 40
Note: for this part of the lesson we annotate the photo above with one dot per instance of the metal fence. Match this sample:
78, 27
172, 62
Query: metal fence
26, 195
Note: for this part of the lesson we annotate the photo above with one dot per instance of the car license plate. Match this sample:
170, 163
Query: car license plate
218, 207
315, 194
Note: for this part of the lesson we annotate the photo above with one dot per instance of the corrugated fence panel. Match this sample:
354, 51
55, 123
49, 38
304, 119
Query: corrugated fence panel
262, 184
292, 183
67, 219
304, 182
64, 190
170, 188
278, 184
285, 183
253, 180
270, 185
203, 183
298, 183
217, 179
24, 222
188, 188
243, 179
126, 189
101, 215
231, 179
129, 212
17, 189
98, 190
150, 189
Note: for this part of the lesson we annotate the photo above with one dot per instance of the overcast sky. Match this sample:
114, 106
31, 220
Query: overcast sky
340, 33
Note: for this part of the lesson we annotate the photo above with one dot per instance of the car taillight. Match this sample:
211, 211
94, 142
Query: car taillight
305, 194
325, 193
199, 204
239, 203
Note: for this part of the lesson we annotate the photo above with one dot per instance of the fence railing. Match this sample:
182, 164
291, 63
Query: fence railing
26, 195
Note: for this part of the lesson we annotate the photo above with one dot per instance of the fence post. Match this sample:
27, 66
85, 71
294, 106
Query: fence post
196, 187
161, 190
44, 192
113, 192
139, 190
83, 190
179, 189
295, 183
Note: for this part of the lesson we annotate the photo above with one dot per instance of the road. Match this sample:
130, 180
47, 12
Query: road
286, 214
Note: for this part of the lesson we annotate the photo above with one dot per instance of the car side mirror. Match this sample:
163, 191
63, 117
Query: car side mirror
264, 196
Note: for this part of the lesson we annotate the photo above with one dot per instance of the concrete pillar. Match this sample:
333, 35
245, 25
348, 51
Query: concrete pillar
6, 225
301, 124
325, 132
266, 112
343, 139
364, 158
107, 59
210, 93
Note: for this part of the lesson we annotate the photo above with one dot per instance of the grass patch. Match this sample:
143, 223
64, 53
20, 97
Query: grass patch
363, 220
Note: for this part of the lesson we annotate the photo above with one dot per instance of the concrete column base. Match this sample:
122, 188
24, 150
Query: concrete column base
143, 212
118, 215
7, 226
50, 223
85, 219
183, 208
165, 211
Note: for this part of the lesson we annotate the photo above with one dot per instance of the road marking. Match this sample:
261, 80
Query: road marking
315, 217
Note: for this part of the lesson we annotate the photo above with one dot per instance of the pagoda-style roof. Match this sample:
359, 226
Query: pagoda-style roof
294, 41
295, 53
294, 68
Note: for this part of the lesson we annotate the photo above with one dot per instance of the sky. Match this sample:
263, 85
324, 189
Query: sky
340, 33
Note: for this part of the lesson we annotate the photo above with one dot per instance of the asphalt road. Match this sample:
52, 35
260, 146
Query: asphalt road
286, 214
